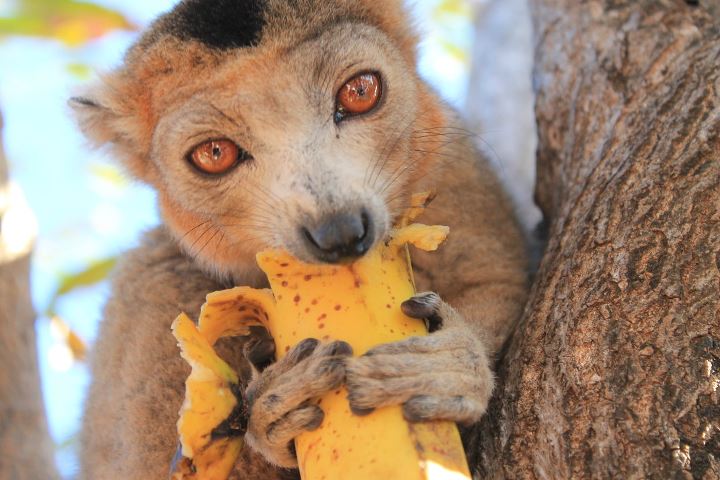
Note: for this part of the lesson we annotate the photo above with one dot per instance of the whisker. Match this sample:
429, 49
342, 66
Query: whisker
439, 137
193, 229
197, 240
262, 204
389, 154
384, 154
212, 237
254, 228
439, 166
261, 214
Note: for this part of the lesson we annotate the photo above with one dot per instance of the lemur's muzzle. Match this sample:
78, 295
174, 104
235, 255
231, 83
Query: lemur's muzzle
340, 237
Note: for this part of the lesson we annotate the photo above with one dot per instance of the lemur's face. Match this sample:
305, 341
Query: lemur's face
301, 143
292, 148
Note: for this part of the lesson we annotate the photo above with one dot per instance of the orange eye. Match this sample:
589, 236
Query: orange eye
359, 95
217, 156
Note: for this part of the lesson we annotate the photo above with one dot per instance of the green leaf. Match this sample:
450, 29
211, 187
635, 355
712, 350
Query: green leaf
459, 8
72, 442
455, 51
69, 21
95, 273
80, 70
109, 173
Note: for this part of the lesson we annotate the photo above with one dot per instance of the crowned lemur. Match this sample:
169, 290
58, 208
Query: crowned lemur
304, 125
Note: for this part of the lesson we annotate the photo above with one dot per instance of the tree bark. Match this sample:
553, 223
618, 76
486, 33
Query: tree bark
614, 371
26, 450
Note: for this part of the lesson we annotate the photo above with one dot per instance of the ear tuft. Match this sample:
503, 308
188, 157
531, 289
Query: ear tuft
78, 102
107, 117
97, 118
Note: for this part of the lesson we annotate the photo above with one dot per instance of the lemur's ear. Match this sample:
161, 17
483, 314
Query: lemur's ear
395, 19
108, 117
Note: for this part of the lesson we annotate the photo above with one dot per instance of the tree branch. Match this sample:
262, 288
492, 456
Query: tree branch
27, 450
614, 369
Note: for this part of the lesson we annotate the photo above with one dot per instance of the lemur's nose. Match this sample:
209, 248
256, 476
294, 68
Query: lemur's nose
340, 237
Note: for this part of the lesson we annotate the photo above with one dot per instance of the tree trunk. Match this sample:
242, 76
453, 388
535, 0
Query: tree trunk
26, 451
614, 371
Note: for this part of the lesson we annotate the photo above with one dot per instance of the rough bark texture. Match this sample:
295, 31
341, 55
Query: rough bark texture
26, 451
614, 371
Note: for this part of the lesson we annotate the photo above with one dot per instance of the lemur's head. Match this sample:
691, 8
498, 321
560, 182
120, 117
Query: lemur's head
271, 123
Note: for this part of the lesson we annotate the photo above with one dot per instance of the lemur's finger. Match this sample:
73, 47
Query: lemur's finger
315, 375
283, 456
360, 411
426, 306
338, 348
367, 393
458, 409
429, 307
259, 386
319, 376
381, 366
422, 305
279, 397
269, 442
280, 434
303, 419
299, 352
440, 341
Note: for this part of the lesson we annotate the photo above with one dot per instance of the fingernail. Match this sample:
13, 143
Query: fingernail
411, 416
304, 349
315, 423
307, 343
361, 412
413, 309
341, 348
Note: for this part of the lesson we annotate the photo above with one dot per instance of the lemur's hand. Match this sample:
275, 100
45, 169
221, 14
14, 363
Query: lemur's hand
443, 376
279, 398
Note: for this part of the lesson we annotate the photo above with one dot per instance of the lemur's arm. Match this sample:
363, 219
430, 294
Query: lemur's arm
481, 273
129, 429
482, 268
138, 376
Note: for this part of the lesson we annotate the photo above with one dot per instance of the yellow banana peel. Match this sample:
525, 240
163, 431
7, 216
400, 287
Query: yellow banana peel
212, 418
360, 304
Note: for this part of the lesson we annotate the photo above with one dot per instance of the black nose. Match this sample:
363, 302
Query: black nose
340, 237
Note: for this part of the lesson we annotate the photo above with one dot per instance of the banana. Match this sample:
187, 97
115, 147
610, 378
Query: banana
360, 304
212, 420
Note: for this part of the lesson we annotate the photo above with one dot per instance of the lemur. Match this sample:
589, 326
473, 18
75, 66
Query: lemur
304, 125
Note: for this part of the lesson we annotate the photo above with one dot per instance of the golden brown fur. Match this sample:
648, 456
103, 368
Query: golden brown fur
276, 100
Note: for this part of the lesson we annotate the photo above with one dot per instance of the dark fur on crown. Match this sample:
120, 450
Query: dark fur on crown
222, 25
219, 24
